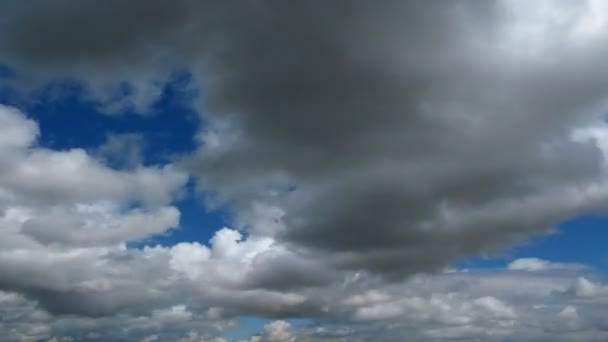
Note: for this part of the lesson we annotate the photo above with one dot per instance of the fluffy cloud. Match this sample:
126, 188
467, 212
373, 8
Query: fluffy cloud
360, 131
40, 176
123, 149
63, 212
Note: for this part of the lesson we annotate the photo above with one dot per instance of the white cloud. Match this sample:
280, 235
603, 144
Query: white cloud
71, 198
569, 313
97, 224
174, 314
529, 264
45, 177
16, 131
495, 308
277, 331
585, 288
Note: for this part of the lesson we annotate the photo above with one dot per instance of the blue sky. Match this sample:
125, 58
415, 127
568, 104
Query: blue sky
578, 240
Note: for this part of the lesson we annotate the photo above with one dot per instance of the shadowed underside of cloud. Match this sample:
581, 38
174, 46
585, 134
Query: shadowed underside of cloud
352, 140
556, 302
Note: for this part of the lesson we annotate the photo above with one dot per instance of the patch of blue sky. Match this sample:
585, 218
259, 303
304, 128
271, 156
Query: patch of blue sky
68, 119
580, 240
247, 326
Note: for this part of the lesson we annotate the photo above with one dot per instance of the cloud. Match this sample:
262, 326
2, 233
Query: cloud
123, 149
277, 331
584, 288
466, 305
539, 265
360, 131
98, 224
41, 176
17, 132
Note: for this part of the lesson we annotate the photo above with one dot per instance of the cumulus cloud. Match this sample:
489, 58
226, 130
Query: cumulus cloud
123, 149
539, 265
62, 211
66, 219
40, 176
584, 288
359, 132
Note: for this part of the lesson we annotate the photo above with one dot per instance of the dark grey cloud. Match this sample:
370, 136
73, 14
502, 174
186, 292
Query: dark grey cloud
64, 33
286, 271
411, 133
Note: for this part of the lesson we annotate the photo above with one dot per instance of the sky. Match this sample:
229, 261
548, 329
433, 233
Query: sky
271, 171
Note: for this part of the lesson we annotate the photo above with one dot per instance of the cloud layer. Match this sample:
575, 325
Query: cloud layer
358, 145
